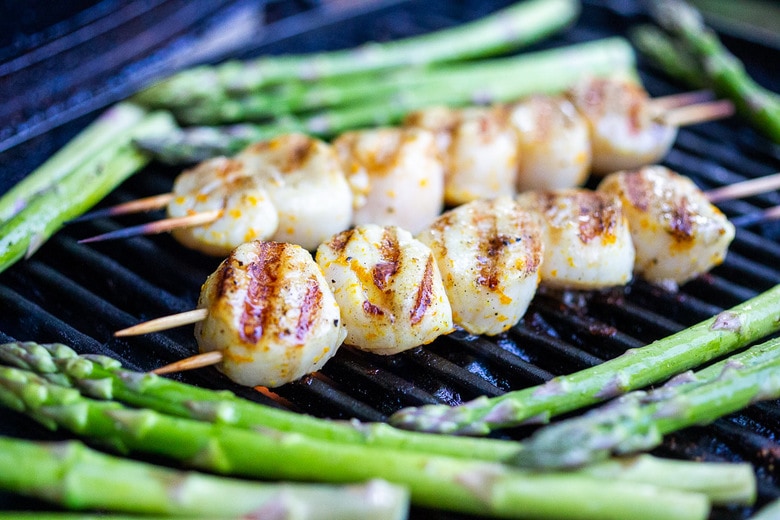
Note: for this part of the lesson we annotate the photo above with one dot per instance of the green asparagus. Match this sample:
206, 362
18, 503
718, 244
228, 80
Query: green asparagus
723, 70
507, 29
77, 190
391, 96
102, 378
472, 487
638, 420
667, 55
111, 125
635, 369
76, 477
545, 71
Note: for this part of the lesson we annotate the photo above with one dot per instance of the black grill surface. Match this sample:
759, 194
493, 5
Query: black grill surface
58, 69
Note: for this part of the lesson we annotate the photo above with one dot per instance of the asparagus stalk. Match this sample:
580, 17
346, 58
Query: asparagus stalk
638, 420
498, 80
77, 190
668, 55
102, 378
770, 511
507, 29
722, 69
635, 369
471, 487
111, 125
391, 96
76, 477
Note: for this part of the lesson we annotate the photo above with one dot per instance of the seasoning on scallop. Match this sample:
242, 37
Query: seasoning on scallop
478, 149
226, 185
489, 253
587, 242
396, 176
388, 286
625, 132
678, 233
553, 143
271, 313
306, 182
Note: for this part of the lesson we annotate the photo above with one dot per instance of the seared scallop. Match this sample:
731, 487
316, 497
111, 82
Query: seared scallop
587, 242
307, 185
388, 286
489, 253
553, 142
271, 313
222, 184
478, 148
625, 132
396, 176
678, 234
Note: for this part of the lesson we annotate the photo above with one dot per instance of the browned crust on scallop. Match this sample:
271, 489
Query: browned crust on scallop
600, 215
298, 147
265, 284
424, 294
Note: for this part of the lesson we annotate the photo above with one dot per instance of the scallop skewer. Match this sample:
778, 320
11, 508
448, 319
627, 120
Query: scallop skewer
539, 143
387, 285
391, 295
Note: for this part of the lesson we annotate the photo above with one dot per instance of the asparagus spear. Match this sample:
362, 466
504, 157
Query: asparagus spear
500, 80
668, 55
392, 95
636, 368
76, 477
722, 69
471, 487
102, 378
111, 125
77, 190
510, 28
770, 511
638, 420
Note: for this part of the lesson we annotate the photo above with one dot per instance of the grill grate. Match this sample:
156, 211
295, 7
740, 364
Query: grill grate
80, 294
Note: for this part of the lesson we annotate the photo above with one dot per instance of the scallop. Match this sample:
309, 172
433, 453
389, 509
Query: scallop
307, 185
396, 176
587, 241
677, 232
478, 148
388, 286
271, 313
223, 184
489, 253
553, 141
625, 131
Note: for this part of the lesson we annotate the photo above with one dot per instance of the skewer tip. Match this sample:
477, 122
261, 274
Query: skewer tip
159, 226
204, 359
164, 323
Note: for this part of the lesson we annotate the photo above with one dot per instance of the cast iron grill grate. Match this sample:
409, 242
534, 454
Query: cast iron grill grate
80, 294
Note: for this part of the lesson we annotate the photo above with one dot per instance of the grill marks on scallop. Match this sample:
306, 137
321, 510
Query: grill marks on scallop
265, 289
598, 215
424, 294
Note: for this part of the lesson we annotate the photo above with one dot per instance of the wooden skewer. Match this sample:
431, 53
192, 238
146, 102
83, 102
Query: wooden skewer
666, 103
159, 226
164, 323
745, 188
133, 206
697, 113
750, 219
197, 361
